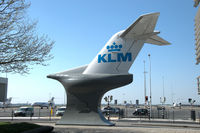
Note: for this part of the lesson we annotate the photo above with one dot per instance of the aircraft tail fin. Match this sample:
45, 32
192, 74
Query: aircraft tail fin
120, 51
9, 99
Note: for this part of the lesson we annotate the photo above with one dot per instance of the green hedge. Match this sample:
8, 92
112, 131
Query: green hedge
7, 127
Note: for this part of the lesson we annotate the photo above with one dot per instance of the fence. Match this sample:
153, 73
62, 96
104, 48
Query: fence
184, 113
37, 112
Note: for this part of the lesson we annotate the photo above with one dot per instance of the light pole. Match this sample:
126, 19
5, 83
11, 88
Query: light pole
163, 87
144, 85
150, 101
163, 99
108, 99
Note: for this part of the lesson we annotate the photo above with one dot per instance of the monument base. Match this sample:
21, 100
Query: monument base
84, 94
73, 117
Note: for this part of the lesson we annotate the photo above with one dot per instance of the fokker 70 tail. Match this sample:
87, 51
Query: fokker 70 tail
120, 51
86, 85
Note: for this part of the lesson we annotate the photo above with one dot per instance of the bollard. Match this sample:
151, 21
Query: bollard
108, 115
50, 115
199, 117
173, 116
31, 115
126, 111
163, 115
119, 114
12, 114
39, 113
149, 114
193, 115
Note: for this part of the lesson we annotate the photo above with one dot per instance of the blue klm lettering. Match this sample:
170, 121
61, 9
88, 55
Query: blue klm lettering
120, 58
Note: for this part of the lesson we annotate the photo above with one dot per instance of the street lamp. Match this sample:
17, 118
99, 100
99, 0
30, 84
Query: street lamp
150, 101
108, 99
145, 96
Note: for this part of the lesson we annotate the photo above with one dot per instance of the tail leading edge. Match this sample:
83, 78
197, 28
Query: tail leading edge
120, 51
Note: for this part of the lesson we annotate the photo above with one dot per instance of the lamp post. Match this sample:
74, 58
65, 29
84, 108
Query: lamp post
108, 99
145, 101
163, 99
150, 101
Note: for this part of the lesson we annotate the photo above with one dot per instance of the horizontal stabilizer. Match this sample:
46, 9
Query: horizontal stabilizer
142, 26
155, 39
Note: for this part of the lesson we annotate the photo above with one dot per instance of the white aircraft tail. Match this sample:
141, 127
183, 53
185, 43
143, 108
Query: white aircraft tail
51, 102
120, 51
8, 101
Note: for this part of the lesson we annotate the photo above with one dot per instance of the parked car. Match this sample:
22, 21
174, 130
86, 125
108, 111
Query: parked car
111, 110
160, 108
24, 111
140, 111
60, 111
41, 104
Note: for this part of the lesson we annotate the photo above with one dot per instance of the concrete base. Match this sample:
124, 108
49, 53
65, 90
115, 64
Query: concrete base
84, 94
72, 117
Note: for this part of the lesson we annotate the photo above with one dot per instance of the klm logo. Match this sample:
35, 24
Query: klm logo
121, 57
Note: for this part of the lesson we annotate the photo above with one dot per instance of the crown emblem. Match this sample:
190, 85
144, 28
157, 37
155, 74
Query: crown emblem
114, 47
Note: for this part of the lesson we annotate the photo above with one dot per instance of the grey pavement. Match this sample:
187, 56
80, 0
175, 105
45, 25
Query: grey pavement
125, 125
182, 122
130, 126
78, 129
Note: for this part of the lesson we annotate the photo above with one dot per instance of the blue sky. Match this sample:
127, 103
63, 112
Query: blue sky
81, 29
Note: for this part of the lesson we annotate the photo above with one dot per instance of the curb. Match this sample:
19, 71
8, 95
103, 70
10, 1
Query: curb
162, 124
166, 125
43, 129
166, 122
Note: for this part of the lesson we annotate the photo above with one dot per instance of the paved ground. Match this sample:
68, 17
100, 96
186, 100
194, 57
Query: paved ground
79, 129
181, 123
128, 125
124, 126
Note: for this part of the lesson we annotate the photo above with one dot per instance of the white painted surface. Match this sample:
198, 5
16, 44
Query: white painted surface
132, 40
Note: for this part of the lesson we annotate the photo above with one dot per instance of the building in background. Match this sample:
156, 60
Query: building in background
198, 84
3, 89
197, 38
197, 32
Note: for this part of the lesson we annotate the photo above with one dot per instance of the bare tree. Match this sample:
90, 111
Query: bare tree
20, 46
196, 3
